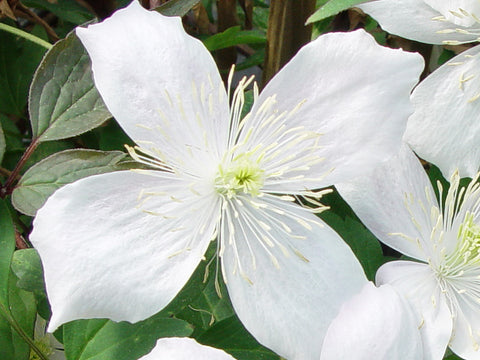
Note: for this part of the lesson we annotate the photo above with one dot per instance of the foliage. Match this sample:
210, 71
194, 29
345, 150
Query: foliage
55, 129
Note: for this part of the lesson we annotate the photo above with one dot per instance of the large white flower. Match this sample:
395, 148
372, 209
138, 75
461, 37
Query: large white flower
373, 314
378, 324
121, 245
445, 127
398, 204
184, 349
429, 21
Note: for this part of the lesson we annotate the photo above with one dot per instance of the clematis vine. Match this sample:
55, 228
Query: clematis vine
398, 204
447, 102
122, 245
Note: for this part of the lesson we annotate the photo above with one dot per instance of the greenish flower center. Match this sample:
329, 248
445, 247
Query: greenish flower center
469, 239
467, 251
241, 176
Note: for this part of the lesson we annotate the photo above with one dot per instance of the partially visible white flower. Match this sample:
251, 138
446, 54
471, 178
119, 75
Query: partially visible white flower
398, 204
184, 349
430, 21
445, 127
376, 324
122, 245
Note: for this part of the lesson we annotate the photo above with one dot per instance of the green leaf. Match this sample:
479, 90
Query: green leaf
42, 179
176, 7
333, 7
104, 339
231, 336
18, 60
7, 247
68, 10
208, 308
63, 99
234, 36
192, 288
27, 266
22, 312
203, 307
13, 137
3, 144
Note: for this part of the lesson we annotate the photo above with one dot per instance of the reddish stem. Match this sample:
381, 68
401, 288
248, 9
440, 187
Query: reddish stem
7, 188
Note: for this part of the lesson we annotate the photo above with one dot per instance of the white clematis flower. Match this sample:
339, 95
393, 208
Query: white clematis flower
122, 245
374, 313
377, 324
184, 349
398, 204
444, 128
449, 22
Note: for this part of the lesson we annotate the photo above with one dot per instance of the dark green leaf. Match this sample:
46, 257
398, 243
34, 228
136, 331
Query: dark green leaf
13, 137
104, 339
231, 336
42, 179
208, 308
192, 288
18, 60
234, 36
333, 7
7, 247
68, 10
22, 313
47, 149
176, 7
63, 99
27, 266
3, 145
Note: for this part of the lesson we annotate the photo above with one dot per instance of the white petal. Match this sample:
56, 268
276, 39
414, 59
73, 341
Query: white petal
333, 78
415, 20
466, 331
418, 284
286, 300
380, 201
160, 84
458, 12
375, 324
444, 128
184, 349
120, 245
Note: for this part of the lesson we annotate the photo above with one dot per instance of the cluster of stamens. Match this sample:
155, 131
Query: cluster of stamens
268, 152
466, 16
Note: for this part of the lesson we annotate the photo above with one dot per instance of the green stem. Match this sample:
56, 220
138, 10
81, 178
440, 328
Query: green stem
23, 335
25, 35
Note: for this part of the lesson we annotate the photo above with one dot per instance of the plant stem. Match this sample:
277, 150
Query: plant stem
51, 33
7, 189
5, 172
13, 323
286, 33
25, 35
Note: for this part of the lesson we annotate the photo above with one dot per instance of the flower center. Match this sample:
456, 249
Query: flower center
242, 176
467, 251
461, 262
